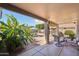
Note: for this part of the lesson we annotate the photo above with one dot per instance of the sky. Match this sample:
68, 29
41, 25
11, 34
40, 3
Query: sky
23, 19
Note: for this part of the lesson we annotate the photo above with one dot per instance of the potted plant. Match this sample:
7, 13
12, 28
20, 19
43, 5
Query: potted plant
16, 35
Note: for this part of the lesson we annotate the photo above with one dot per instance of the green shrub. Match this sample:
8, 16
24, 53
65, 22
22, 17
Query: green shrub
40, 26
70, 33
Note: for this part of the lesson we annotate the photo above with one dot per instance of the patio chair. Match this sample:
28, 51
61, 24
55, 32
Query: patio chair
57, 40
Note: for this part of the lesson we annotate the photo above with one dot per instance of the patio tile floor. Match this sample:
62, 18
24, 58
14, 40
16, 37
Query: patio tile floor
38, 54
69, 51
51, 50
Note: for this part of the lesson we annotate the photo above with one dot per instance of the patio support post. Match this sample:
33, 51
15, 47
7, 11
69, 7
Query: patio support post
47, 32
77, 27
77, 30
57, 29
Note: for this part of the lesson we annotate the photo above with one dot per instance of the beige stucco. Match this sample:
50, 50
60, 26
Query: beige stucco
68, 26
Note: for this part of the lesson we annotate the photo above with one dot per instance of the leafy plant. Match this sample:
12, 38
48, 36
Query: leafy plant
15, 34
39, 26
70, 33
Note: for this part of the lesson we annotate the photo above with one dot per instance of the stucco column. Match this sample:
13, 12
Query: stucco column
47, 32
77, 29
57, 29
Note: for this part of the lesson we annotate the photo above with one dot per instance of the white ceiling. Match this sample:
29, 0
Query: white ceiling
59, 13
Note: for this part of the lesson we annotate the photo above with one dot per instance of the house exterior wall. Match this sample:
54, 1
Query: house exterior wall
69, 26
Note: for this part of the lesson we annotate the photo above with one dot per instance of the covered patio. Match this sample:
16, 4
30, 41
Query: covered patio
54, 15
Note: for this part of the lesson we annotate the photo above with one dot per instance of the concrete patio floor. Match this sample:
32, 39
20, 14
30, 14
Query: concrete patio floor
51, 50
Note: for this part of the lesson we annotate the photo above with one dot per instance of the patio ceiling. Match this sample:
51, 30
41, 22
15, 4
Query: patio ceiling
54, 12
58, 13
